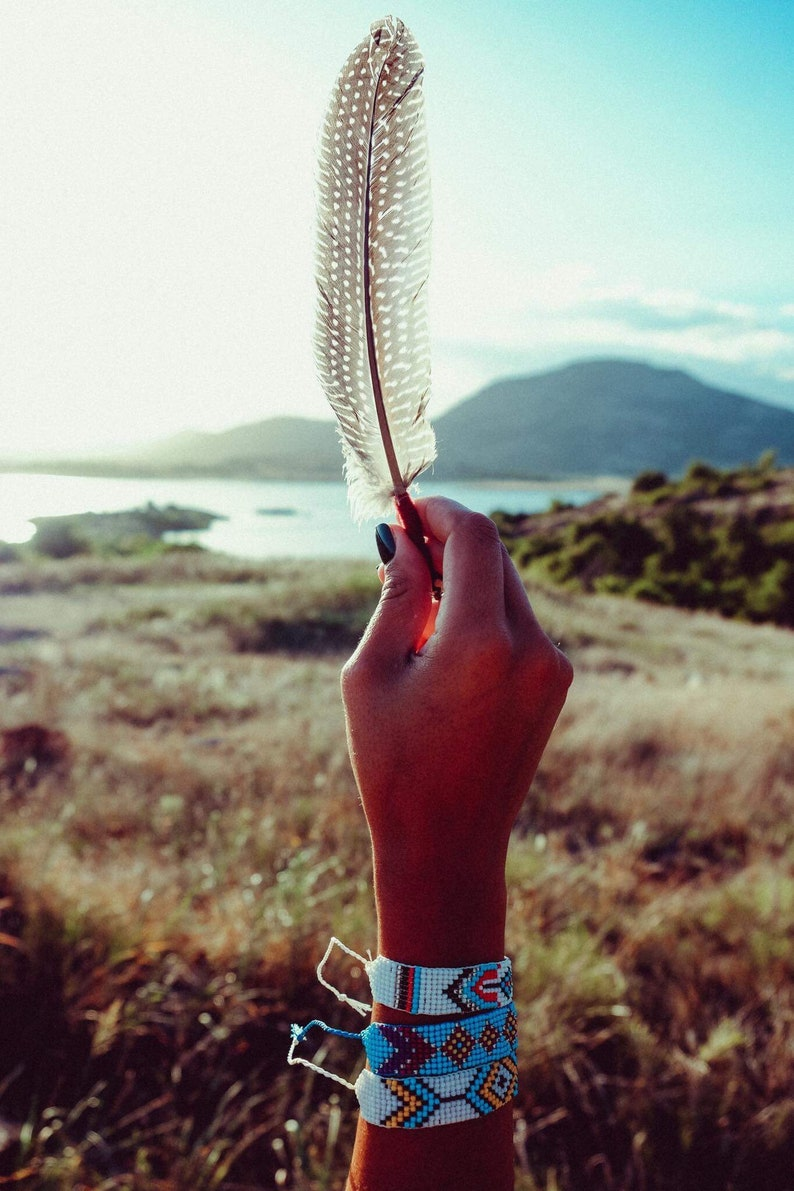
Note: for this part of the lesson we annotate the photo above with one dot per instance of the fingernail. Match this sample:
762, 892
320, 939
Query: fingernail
384, 540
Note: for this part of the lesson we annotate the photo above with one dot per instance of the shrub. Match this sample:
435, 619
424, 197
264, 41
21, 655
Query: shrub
56, 538
771, 597
649, 481
703, 472
738, 560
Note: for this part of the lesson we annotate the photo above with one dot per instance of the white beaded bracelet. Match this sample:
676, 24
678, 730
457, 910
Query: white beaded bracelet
415, 1103
391, 1092
441, 991
436, 992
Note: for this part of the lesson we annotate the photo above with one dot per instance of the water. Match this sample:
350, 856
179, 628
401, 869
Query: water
263, 519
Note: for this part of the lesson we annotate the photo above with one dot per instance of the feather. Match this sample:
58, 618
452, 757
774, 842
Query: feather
372, 344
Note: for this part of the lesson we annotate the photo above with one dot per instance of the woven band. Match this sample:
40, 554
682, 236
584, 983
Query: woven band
440, 992
415, 1103
436, 1073
440, 1048
443, 1047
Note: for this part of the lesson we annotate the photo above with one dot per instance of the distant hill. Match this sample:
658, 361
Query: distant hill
275, 449
595, 417
608, 417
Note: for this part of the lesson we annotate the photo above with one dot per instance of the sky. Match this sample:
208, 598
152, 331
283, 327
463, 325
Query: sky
610, 178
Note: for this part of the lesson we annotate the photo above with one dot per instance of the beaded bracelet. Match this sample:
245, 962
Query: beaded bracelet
414, 1103
435, 992
435, 1073
440, 1048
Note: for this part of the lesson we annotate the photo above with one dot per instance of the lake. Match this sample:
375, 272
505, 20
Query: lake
263, 519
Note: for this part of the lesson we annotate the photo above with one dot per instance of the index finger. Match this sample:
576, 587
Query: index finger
473, 572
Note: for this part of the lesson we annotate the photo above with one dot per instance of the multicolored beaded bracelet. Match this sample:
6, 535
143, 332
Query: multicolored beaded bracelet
435, 1073
435, 992
415, 1103
440, 991
439, 1048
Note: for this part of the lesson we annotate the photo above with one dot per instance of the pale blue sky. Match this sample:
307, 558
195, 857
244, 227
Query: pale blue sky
611, 177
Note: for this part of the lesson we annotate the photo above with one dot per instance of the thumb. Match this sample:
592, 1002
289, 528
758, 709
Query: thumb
397, 625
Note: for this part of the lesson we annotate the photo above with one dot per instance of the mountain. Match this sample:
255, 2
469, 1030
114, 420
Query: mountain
607, 417
276, 449
594, 417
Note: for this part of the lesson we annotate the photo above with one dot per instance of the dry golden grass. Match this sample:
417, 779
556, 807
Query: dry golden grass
164, 898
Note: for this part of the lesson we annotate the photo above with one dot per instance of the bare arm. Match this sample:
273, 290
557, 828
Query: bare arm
444, 745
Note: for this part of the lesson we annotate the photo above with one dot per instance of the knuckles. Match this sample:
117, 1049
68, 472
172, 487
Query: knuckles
480, 529
529, 665
543, 671
356, 674
488, 651
396, 585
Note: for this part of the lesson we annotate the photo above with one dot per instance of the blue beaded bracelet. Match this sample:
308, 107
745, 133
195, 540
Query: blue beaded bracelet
440, 1048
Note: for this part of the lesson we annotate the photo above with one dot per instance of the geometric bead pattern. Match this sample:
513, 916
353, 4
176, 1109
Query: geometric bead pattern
439, 1048
458, 1045
440, 1072
441, 992
413, 1102
496, 1085
489, 1038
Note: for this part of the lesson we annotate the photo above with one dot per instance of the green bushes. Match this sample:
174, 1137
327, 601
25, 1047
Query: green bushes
705, 542
131, 532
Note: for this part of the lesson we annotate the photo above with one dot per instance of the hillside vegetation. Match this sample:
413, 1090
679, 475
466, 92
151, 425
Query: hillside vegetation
181, 834
131, 531
717, 540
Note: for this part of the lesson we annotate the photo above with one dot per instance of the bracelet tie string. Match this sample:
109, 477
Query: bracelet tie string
361, 1007
432, 1073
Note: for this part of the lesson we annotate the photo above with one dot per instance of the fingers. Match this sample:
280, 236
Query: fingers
484, 598
396, 629
517, 605
549, 667
483, 592
441, 517
472, 565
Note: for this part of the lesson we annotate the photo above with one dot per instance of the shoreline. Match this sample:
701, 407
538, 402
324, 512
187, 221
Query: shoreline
319, 524
602, 484
595, 483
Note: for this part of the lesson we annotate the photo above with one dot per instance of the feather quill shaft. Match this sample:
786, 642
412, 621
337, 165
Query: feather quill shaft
372, 344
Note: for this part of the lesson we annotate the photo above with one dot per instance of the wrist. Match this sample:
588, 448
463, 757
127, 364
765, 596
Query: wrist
441, 922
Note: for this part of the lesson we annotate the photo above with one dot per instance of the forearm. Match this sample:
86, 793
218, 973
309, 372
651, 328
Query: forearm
424, 921
470, 1156
445, 734
416, 926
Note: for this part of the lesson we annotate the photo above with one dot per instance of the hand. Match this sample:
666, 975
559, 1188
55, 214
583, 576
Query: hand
445, 742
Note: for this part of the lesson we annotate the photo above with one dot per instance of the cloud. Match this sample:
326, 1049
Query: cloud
569, 310
661, 309
712, 341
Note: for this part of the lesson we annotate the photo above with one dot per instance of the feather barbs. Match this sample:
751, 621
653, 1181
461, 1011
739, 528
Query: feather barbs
373, 256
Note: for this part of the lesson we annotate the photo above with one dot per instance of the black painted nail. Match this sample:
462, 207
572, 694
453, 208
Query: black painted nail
384, 540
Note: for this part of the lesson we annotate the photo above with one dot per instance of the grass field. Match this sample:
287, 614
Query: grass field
172, 865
